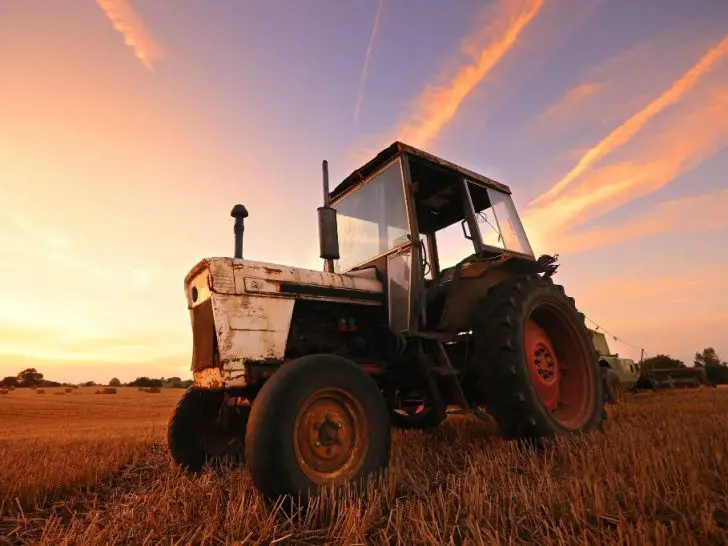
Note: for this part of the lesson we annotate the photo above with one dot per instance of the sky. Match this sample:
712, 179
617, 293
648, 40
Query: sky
129, 129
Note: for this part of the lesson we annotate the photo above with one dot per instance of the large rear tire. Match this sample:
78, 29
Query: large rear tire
318, 421
535, 361
196, 435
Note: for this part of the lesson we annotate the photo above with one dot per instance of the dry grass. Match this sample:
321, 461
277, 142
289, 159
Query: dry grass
88, 469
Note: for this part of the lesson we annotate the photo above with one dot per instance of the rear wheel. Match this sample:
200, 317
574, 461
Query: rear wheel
318, 421
535, 361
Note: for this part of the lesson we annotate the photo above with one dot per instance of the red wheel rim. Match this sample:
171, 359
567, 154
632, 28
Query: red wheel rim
543, 365
561, 367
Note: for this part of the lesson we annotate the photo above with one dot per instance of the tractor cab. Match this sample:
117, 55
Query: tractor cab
405, 209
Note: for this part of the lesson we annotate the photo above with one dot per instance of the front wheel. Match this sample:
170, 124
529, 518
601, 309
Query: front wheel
535, 361
318, 421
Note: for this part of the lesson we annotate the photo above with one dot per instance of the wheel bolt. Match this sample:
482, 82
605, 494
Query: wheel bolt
339, 424
318, 444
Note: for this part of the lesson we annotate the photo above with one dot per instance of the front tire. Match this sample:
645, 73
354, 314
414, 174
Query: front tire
318, 421
535, 361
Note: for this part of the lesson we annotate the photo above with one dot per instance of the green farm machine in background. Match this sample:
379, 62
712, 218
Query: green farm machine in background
622, 374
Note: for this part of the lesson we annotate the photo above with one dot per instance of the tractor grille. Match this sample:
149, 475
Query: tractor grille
204, 350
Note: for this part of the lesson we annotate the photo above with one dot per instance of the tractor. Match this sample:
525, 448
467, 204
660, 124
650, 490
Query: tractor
301, 374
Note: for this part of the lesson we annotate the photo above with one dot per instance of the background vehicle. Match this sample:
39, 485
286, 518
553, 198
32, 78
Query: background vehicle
302, 373
624, 371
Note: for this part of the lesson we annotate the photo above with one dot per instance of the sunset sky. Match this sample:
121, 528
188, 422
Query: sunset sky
128, 129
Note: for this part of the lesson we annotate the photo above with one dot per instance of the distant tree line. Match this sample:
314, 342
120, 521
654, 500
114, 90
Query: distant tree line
715, 368
32, 378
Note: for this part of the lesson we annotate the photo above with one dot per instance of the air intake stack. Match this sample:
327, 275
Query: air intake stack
240, 213
328, 232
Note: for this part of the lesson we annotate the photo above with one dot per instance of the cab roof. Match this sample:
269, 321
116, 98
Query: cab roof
423, 166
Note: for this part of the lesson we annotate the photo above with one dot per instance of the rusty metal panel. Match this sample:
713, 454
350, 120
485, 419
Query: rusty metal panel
248, 269
261, 286
221, 276
251, 328
210, 378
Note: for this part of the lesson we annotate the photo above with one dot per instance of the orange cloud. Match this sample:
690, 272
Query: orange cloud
574, 98
697, 213
627, 130
437, 104
367, 57
694, 132
125, 20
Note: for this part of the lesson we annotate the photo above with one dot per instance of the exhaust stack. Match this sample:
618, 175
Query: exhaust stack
328, 232
240, 213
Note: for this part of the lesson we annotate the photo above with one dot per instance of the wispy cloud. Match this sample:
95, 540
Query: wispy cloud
630, 128
125, 19
504, 22
437, 104
695, 132
686, 215
575, 97
367, 58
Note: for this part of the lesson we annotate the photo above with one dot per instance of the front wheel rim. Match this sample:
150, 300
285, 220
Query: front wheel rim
330, 436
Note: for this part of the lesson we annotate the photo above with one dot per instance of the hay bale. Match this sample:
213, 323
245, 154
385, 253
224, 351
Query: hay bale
109, 390
3, 391
153, 390
40, 391
68, 389
97, 392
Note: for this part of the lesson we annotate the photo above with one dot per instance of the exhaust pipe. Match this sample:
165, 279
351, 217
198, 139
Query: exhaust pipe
328, 232
240, 213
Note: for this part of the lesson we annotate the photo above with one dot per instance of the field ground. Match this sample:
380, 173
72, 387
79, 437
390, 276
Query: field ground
86, 468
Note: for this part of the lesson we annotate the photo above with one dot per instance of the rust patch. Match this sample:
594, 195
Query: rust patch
272, 270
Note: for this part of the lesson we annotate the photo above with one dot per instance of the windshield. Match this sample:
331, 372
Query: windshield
498, 220
372, 219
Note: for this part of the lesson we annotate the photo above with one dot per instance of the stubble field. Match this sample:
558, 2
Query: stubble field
86, 468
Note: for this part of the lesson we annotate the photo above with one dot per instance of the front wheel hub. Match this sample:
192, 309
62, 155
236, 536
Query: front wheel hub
543, 365
330, 436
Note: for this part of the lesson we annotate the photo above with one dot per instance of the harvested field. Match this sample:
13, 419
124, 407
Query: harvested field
94, 469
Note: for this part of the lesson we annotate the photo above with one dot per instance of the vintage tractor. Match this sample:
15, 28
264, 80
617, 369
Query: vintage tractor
301, 373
